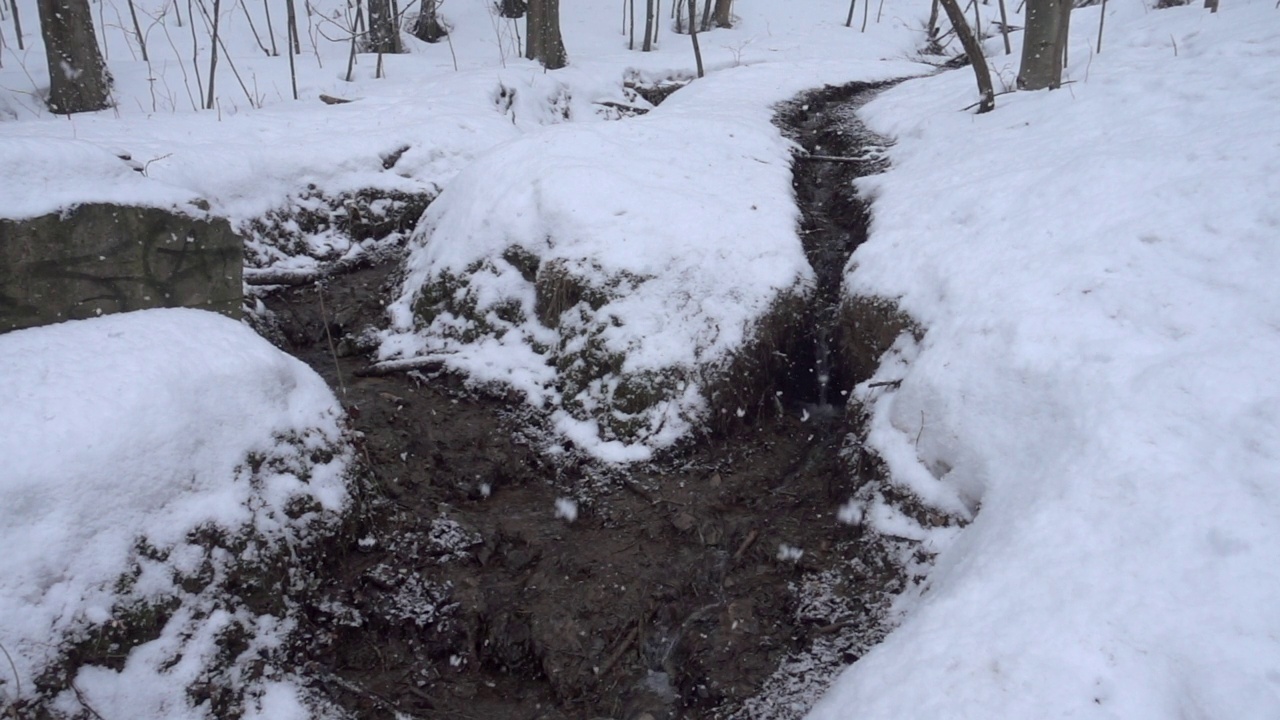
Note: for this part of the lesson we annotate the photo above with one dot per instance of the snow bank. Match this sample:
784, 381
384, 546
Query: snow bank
145, 457
47, 174
1095, 268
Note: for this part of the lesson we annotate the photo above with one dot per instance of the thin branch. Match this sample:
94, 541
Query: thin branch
391, 367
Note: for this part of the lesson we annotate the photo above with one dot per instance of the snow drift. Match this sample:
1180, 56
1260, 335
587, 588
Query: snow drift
153, 464
1096, 381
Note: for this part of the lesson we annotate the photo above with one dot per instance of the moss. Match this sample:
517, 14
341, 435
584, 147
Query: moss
745, 385
524, 261
868, 328
368, 214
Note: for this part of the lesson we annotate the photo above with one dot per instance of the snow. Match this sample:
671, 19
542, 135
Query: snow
566, 509
1093, 401
1096, 386
123, 435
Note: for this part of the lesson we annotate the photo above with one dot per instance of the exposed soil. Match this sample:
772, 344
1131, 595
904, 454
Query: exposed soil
678, 591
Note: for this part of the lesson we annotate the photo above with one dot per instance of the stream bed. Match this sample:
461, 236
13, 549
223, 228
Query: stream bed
484, 580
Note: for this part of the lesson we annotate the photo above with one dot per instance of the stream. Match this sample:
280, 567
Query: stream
715, 583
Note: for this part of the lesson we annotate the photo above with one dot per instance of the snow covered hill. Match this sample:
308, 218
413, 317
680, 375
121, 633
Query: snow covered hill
1096, 386
156, 465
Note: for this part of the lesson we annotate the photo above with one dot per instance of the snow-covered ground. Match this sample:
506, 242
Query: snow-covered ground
1095, 268
1092, 267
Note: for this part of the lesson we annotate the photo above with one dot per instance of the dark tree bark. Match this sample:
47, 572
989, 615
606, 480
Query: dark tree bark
542, 36
291, 17
513, 9
266, 8
693, 33
649, 13
428, 27
78, 78
987, 94
213, 50
137, 31
17, 24
384, 33
291, 43
933, 27
1043, 44
723, 14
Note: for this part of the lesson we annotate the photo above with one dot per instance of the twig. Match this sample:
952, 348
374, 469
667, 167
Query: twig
377, 699
829, 158
333, 352
17, 679
622, 649
746, 543
82, 701
886, 383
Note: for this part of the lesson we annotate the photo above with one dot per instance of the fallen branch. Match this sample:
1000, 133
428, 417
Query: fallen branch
623, 107
390, 367
275, 276
293, 277
746, 543
331, 100
831, 158
622, 649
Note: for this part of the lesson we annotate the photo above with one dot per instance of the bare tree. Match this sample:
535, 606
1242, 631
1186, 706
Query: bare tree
649, 13
1044, 44
384, 30
78, 77
972, 48
693, 33
17, 23
543, 41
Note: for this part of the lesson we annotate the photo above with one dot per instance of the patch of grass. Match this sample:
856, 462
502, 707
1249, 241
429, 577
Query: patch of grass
868, 328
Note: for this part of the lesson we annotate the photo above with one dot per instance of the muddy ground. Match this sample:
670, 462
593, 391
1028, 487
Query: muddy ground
713, 583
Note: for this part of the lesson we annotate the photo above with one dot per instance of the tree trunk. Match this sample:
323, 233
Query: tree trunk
693, 33
705, 22
291, 17
723, 13
17, 24
933, 26
973, 49
78, 78
543, 42
137, 31
213, 50
428, 27
1042, 44
647, 45
291, 43
384, 36
513, 9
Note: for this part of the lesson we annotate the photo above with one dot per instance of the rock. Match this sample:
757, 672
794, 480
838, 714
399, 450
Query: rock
96, 259
683, 521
